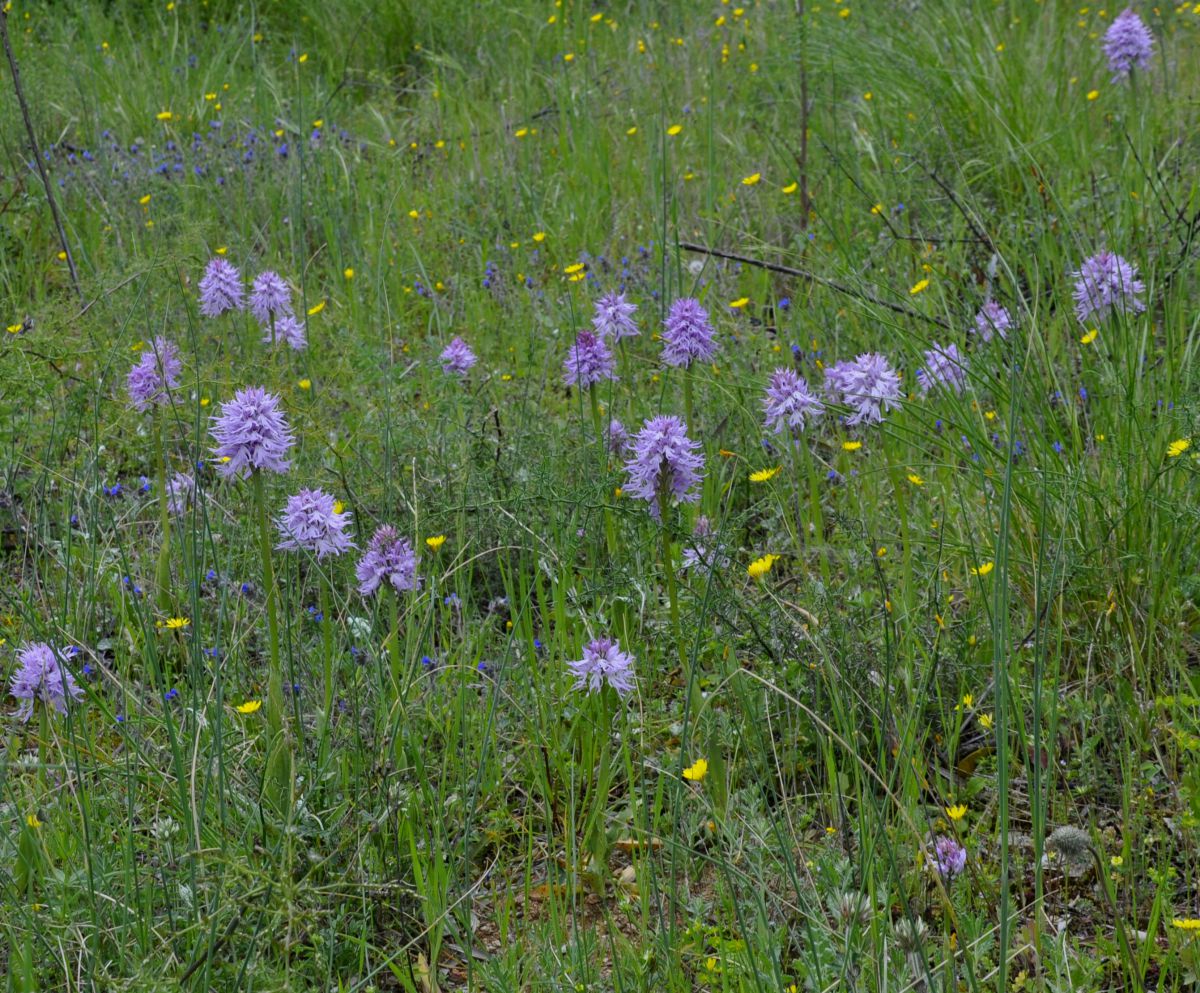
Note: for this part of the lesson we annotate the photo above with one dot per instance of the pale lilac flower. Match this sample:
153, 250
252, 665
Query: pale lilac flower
181, 491
588, 362
154, 375
311, 522
252, 434
270, 297
42, 675
665, 460
457, 358
687, 334
1104, 283
867, 385
700, 553
220, 288
603, 662
614, 317
992, 319
388, 558
287, 329
836, 377
948, 857
789, 402
618, 437
1128, 44
944, 365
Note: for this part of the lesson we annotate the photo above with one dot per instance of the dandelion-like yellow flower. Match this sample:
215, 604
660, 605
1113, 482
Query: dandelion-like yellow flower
761, 566
539, 236
32, 821
752, 179
983, 570
674, 129
144, 200
696, 771
1186, 923
918, 287
249, 707
177, 623
851, 446
790, 188
316, 308
765, 475
348, 273
739, 303
163, 115
957, 812
305, 384
1177, 448
436, 542
1088, 338
915, 479
1093, 94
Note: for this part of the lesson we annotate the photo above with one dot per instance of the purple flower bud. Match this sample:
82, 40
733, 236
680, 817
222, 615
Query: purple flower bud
311, 522
154, 375
603, 662
589, 361
687, 335
457, 358
251, 434
220, 288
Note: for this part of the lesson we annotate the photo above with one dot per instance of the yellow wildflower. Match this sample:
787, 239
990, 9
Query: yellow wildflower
436, 542
249, 707
696, 771
764, 475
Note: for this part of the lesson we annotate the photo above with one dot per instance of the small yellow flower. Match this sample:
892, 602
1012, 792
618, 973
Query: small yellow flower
348, 273
764, 475
968, 700
983, 570
851, 446
1186, 923
1177, 448
249, 707
32, 821
761, 566
316, 308
631, 131
674, 129
1093, 94
790, 188
414, 214
915, 479
436, 542
318, 122
144, 200
62, 256
177, 623
919, 286
1116, 861
14, 328
305, 384
338, 506
1088, 338
569, 57
573, 268
303, 58
987, 722
539, 236
739, 303
696, 771
957, 812
752, 179
163, 115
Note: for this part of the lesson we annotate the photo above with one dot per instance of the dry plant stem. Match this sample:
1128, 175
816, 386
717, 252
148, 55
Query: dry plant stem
37, 152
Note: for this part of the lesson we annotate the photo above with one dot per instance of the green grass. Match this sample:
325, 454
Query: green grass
992, 603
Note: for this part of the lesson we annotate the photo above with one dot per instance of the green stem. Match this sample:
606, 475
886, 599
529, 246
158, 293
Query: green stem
610, 533
163, 574
669, 569
394, 637
327, 647
275, 708
687, 397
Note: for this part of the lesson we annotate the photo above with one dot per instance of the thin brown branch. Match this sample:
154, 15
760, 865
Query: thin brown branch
849, 291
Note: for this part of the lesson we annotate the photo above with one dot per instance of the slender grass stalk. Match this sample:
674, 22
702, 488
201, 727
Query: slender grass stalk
278, 747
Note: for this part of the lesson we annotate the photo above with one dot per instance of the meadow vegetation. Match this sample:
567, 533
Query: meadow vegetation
561, 495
